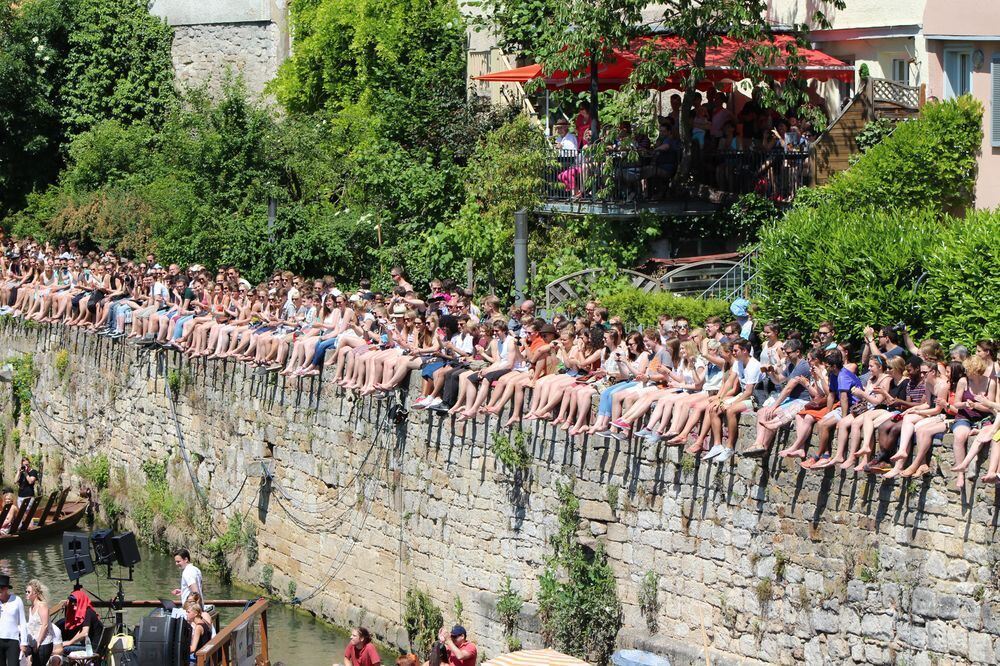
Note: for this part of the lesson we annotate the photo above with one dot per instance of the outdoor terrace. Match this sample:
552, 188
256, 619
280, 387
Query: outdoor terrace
628, 181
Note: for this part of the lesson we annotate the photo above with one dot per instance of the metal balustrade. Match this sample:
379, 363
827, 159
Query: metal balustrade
641, 176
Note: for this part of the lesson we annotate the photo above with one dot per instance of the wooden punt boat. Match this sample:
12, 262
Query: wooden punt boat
35, 519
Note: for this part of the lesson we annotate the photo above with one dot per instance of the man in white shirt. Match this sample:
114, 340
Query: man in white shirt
190, 576
13, 624
564, 140
737, 398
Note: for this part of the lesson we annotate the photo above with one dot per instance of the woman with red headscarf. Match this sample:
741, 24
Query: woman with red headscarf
81, 622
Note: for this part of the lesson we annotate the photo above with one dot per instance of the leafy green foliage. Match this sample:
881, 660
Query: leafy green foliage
66, 65
509, 605
422, 619
649, 600
511, 450
520, 26
852, 251
240, 535
856, 270
578, 604
33, 48
118, 67
266, 577
636, 307
23, 381
960, 297
61, 363
156, 502
930, 161
503, 177
873, 133
97, 471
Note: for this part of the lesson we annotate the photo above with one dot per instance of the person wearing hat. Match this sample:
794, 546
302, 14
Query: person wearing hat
13, 625
564, 140
461, 651
741, 310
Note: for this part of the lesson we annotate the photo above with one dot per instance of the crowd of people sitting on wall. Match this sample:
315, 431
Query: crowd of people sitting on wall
752, 150
879, 408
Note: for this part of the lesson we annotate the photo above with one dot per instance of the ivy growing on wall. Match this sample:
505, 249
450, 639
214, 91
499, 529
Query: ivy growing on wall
578, 604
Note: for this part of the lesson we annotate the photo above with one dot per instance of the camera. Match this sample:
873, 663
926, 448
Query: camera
899, 327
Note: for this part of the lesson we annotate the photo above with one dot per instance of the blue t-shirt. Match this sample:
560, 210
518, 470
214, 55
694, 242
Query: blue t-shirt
846, 381
801, 369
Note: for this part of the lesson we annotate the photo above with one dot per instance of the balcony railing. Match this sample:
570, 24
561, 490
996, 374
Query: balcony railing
622, 177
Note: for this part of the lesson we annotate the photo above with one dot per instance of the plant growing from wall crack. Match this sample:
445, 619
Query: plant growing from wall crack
509, 604
578, 604
422, 619
649, 600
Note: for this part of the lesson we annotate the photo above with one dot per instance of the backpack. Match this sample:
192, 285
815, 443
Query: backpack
121, 651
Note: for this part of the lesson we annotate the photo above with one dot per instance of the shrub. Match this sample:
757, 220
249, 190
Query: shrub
578, 605
928, 162
97, 471
649, 600
422, 619
854, 269
960, 298
636, 307
509, 604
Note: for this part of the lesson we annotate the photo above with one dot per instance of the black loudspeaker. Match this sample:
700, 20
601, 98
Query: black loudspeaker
76, 555
163, 640
101, 542
152, 640
126, 550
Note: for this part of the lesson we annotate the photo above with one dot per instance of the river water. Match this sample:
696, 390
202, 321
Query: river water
295, 638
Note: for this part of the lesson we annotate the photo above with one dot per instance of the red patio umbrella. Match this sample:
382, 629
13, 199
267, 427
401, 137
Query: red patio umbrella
615, 72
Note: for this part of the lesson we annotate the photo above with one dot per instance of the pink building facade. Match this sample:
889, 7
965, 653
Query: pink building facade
950, 46
963, 56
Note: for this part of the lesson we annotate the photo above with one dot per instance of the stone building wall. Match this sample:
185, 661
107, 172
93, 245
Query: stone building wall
756, 564
248, 37
205, 52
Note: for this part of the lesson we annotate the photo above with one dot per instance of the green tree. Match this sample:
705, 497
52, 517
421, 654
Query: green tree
33, 47
118, 66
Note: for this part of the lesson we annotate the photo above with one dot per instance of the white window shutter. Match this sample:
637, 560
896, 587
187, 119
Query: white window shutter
994, 109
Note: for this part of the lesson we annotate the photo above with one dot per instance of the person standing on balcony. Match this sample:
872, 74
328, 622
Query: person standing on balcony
566, 143
582, 122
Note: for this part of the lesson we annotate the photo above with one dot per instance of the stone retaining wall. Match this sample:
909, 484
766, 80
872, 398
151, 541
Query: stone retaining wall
755, 563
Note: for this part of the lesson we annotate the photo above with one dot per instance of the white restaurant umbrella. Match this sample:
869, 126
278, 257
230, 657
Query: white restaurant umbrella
544, 657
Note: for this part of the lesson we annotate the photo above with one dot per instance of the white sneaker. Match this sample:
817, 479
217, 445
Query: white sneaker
724, 456
715, 451
434, 403
422, 403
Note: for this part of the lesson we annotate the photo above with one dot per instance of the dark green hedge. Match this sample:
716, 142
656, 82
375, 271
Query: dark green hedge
854, 250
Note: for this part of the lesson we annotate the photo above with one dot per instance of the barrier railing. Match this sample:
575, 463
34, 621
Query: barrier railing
637, 176
235, 643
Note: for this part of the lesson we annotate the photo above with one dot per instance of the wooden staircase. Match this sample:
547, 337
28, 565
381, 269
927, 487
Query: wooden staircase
879, 98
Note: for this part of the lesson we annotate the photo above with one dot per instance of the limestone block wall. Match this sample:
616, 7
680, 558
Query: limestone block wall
755, 563
204, 52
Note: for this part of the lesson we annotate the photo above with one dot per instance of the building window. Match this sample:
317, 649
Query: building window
994, 110
957, 72
901, 71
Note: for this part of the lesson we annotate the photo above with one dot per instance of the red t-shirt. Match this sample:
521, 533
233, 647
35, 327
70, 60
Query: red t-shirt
468, 648
366, 656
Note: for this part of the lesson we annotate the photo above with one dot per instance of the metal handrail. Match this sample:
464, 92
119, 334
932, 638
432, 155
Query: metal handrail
738, 281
